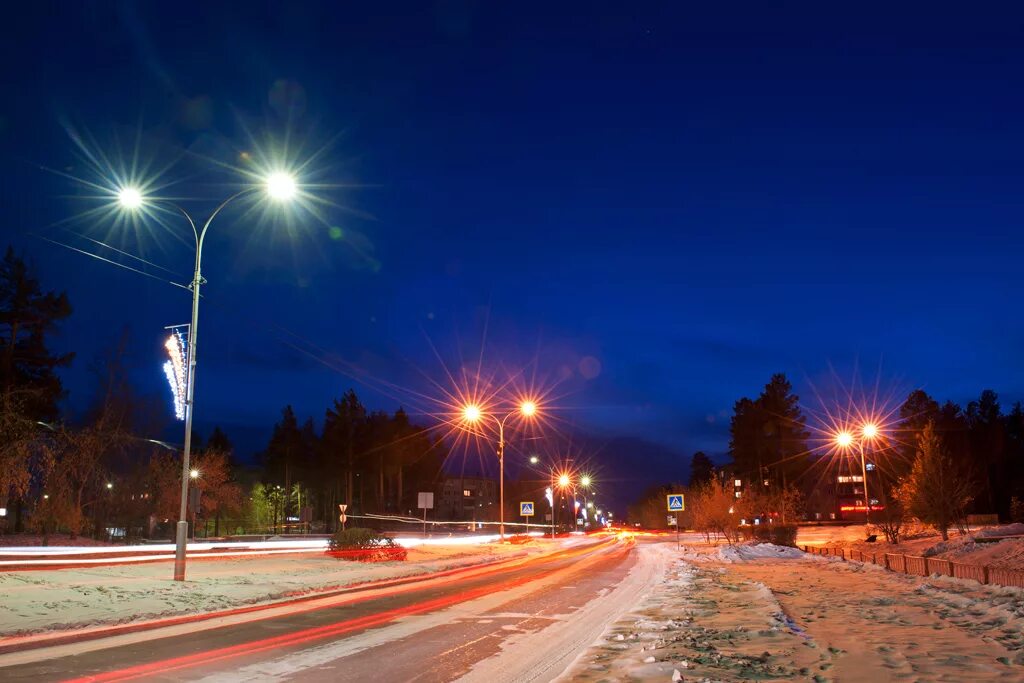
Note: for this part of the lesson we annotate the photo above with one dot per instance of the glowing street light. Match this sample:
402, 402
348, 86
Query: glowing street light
281, 186
473, 414
564, 481
278, 186
534, 460
109, 486
129, 197
845, 439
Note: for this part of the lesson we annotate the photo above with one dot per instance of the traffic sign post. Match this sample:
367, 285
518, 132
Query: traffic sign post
676, 503
425, 500
342, 517
526, 510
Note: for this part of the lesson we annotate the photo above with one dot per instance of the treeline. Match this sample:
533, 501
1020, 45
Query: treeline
931, 460
101, 472
373, 461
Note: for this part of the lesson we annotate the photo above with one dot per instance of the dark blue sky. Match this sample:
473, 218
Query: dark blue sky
694, 197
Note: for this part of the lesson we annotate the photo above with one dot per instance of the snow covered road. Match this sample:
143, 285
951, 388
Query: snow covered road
767, 613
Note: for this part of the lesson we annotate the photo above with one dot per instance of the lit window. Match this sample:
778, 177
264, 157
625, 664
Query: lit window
738, 483
854, 479
467, 493
738, 494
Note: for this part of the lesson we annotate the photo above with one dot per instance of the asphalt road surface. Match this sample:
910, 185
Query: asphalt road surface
526, 620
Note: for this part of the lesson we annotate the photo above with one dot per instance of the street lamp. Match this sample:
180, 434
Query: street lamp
845, 440
473, 414
279, 186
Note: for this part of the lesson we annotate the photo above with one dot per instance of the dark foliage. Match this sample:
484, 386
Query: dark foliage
365, 545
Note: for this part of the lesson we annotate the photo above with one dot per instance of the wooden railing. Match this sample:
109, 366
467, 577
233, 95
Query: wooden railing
926, 566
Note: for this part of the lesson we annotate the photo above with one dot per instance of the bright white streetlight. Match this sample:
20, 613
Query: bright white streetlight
281, 186
129, 198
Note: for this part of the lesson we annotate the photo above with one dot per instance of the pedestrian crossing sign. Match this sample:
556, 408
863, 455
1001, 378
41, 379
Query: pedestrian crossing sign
526, 508
675, 502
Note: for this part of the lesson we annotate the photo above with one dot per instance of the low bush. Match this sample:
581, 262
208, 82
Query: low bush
778, 534
365, 545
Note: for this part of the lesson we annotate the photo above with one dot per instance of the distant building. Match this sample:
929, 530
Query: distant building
469, 498
840, 497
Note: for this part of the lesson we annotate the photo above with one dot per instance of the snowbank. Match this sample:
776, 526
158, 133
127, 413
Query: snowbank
760, 551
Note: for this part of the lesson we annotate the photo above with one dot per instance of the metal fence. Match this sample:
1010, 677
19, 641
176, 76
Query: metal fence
926, 566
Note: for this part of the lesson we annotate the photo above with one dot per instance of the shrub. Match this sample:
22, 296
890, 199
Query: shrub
364, 545
778, 534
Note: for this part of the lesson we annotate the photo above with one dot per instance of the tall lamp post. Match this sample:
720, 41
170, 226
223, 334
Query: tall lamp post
473, 415
844, 440
280, 187
565, 482
585, 483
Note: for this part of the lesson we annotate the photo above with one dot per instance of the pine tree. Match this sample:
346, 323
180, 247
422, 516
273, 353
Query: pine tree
702, 470
769, 436
342, 423
284, 452
934, 491
27, 317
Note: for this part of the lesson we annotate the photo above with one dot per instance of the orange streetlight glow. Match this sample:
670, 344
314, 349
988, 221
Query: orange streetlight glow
844, 439
564, 480
472, 413
870, 430
528, 408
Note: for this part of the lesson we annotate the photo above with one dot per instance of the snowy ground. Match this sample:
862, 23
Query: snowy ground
34, 601
763, 612
925, 541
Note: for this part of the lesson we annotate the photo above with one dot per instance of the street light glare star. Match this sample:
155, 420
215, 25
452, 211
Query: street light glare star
281, 186
563, 480
194, 474
870, 430
528, 408
129, 198
844, 439
584, 481
472, 413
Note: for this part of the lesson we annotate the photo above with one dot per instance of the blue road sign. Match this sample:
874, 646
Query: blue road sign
526, 509
675, 502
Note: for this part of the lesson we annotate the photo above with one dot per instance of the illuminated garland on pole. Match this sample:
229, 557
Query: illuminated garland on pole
175, 370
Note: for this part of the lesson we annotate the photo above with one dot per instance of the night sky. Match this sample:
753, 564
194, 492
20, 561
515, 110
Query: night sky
652, 207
